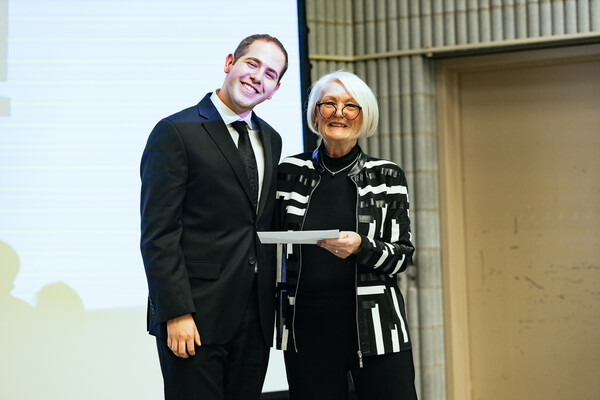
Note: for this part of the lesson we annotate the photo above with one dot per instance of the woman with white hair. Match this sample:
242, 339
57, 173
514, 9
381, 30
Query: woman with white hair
340, 308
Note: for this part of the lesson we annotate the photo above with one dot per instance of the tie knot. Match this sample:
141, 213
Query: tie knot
240, 127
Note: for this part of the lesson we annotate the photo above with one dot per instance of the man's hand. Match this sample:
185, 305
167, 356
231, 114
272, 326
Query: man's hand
182, 334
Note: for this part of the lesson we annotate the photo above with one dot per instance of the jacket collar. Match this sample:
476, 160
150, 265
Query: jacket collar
356, 168
216, 128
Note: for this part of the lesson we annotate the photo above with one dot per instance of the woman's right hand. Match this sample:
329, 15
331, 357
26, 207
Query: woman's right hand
346, 244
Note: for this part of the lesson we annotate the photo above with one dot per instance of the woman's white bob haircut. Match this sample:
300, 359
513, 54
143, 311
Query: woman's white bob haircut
357, 88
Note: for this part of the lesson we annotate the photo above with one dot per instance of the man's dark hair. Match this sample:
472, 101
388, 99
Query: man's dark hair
242, 48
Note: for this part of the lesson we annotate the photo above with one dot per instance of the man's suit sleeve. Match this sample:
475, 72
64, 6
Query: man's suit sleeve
163, 173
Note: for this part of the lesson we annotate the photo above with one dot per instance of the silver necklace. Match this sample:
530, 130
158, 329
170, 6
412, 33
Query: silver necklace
333, 173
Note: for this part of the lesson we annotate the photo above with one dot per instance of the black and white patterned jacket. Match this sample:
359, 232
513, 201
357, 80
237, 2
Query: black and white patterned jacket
386, 249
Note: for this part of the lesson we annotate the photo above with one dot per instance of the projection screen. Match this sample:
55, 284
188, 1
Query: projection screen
82, 83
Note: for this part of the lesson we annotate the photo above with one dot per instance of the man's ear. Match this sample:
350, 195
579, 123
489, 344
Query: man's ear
276, 88
229, 60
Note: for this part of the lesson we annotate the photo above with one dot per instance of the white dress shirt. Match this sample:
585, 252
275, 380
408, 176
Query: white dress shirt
229, 116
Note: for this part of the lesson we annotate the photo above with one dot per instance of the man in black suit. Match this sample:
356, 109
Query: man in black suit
208, 185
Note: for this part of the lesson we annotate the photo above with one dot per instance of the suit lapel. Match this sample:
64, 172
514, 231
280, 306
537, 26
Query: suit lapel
215, 127
265, 137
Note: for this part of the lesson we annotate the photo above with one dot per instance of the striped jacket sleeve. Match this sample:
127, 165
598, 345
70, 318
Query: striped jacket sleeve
386, 239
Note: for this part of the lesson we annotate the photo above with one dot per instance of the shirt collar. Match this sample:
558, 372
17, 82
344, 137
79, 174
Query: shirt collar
227, 114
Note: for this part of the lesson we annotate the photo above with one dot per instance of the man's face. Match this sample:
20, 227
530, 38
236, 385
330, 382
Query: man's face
253, 78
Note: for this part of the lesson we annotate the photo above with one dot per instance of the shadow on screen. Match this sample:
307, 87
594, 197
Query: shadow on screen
58, 350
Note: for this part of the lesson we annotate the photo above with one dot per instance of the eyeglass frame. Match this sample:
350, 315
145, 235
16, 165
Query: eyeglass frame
336, 109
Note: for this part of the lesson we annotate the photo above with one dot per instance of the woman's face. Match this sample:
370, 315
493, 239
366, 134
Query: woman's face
338, 128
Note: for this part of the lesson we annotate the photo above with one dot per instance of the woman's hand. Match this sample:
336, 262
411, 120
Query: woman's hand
348, 243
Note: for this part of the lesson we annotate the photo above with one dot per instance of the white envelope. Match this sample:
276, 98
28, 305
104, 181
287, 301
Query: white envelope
300, 237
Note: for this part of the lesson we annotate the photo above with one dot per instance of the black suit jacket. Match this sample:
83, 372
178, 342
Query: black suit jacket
198, 225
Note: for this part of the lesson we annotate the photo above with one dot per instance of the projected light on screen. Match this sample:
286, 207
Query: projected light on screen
4, 101
87, 81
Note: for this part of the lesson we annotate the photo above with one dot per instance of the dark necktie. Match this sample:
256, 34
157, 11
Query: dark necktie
245, 148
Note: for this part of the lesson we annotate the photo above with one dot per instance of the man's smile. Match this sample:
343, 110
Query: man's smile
249, 88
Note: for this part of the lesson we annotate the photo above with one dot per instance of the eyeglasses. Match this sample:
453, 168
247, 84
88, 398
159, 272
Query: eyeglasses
350, 111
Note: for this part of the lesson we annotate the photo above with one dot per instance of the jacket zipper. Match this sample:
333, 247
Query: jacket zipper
359, 352
300, 265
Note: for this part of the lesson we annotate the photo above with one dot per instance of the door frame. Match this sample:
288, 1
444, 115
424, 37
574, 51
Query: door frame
452, 213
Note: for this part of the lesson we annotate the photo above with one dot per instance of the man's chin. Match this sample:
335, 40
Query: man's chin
249, 103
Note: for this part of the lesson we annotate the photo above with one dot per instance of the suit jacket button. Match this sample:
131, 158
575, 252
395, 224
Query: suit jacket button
251, 260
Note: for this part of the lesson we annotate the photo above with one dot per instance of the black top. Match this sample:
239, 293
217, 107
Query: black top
332, 206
